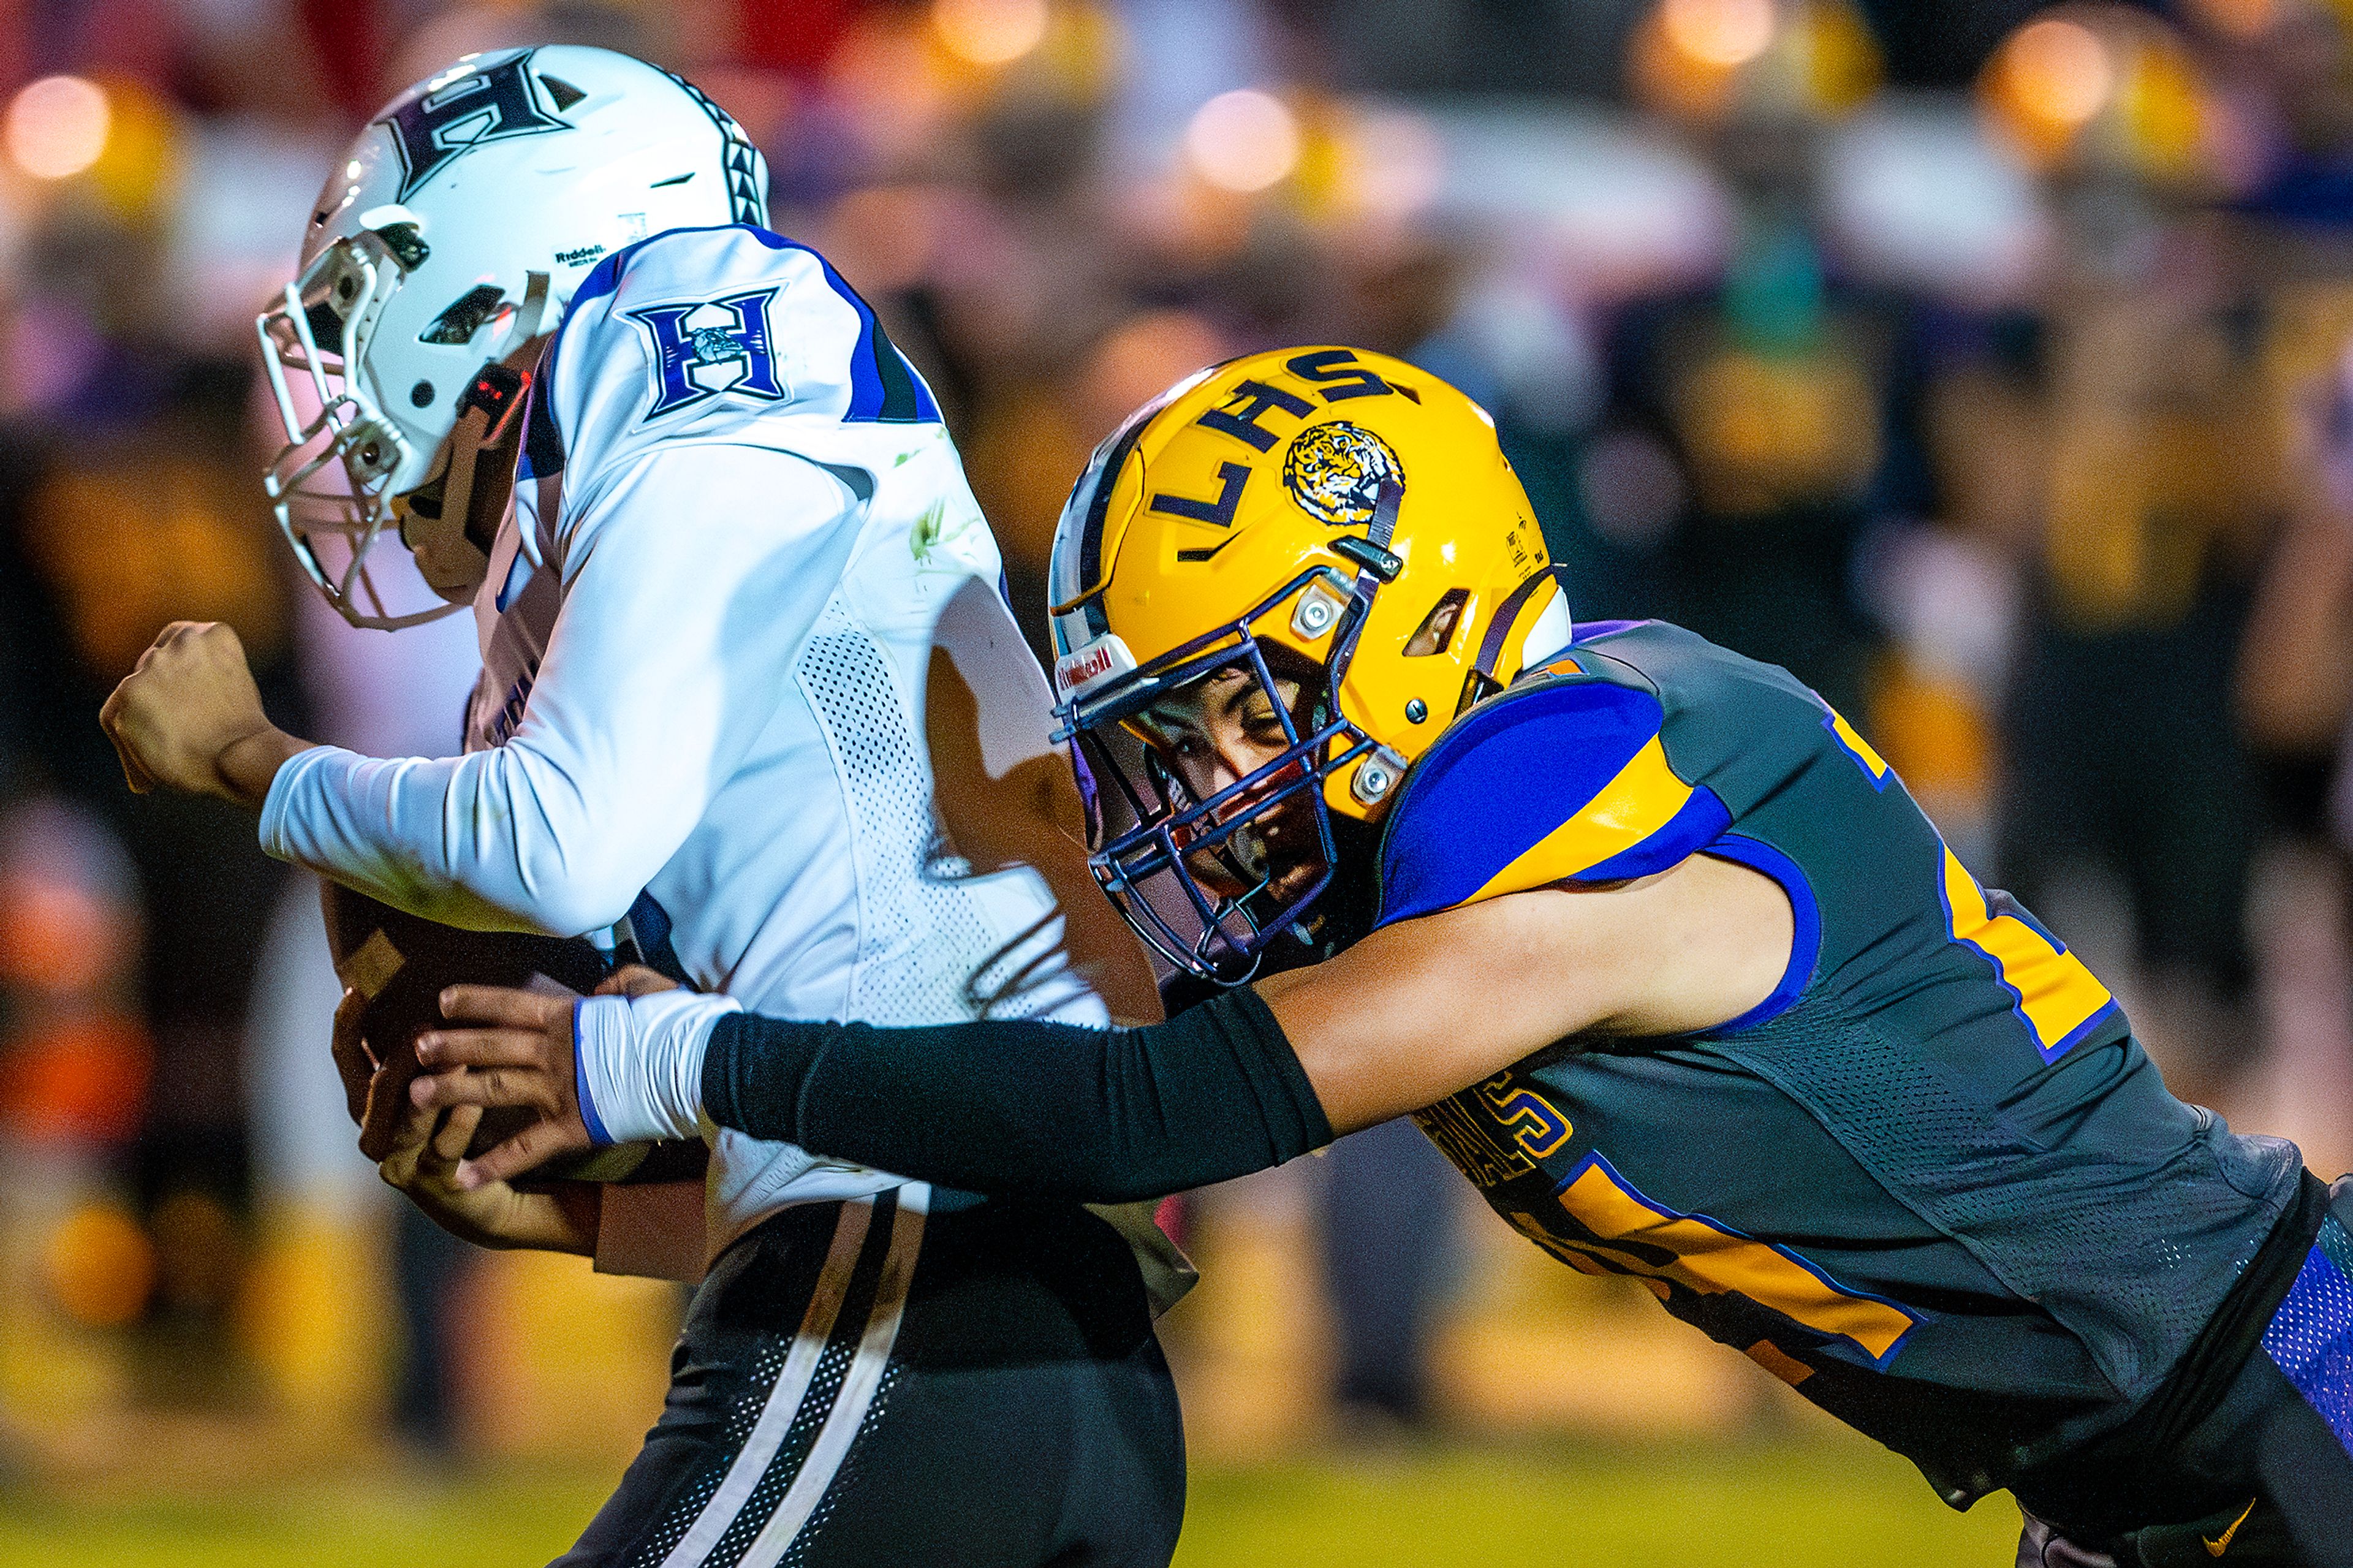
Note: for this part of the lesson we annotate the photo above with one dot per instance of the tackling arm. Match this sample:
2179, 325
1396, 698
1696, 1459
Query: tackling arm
1413, 1013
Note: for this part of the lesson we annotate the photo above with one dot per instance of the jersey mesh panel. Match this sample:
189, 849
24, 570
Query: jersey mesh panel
2310, 1338
846, 1480
926, 954
2117, 1263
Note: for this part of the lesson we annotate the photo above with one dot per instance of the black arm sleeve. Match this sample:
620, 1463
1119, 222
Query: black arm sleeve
1020, 1107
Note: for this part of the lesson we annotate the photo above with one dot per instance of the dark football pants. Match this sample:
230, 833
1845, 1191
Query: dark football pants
2285, 1430
867, 1384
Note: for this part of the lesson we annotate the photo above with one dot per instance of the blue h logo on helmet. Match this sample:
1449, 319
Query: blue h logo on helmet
490, 103
682, 353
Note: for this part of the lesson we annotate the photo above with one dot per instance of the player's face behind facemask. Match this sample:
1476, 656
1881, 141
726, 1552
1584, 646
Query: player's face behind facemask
445, 244
347, 474
1323, 505
1205, 811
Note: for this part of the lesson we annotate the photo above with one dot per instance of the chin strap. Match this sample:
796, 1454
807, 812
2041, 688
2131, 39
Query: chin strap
1375, 564
535, 294
489, 433
489, 438
1482, 680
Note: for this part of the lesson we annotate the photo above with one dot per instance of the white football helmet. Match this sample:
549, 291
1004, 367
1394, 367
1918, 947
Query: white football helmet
448, 239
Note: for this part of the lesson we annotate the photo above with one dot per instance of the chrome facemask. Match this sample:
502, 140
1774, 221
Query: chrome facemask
333, 481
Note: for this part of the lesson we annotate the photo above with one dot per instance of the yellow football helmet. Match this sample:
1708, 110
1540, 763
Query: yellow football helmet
1338, 511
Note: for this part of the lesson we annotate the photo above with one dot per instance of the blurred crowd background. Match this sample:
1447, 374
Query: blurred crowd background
1986, 363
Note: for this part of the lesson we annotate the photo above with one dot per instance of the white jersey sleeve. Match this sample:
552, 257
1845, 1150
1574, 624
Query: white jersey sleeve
696, 577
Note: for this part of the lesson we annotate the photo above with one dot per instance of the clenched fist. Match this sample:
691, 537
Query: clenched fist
189, 718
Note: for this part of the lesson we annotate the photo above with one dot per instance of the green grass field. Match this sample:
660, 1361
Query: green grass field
1795, 1506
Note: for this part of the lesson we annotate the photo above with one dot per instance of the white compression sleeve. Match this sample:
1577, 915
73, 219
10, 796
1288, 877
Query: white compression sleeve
637, 1063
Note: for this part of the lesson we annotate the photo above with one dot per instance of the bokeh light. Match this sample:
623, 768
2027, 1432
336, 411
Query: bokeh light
196, 1249
1724, 33
989, 32
2058, 71
101, 1267
56, 937
1141, 360
1243, 140
56, 127
2240, 18
1396, 165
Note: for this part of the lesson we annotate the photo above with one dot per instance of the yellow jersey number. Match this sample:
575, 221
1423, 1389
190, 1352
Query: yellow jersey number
1620, 1231
2056, 996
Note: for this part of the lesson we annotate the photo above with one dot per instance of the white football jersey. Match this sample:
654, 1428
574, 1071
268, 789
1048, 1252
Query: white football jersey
705, 636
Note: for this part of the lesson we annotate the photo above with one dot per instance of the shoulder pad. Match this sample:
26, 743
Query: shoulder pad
695, 332
1563, 779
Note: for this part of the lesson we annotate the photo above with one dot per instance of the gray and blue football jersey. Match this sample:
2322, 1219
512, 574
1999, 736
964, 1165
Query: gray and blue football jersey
1933, 1181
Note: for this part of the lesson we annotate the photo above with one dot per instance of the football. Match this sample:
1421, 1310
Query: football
401, 962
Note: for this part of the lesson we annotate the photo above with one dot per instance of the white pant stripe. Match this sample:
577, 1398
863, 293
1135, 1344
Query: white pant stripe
792, 1384
857, 1385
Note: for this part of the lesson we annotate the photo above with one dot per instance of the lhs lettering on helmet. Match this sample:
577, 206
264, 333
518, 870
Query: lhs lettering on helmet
1336, 372
731, 348
494, 104
1218, 513
1333, 372
1246, 404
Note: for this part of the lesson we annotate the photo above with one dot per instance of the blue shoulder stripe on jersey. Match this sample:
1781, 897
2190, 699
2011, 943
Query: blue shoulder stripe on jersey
604, 278
1501, 780
542, 447
884, 387
1806, 916
543, 439
543, 452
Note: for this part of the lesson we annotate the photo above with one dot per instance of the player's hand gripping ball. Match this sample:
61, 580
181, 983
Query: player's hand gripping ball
423, 1151
507, 1049
395, 967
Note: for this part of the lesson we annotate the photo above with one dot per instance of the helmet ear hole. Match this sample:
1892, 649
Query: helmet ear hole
1437, 628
